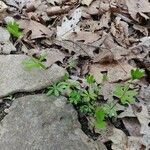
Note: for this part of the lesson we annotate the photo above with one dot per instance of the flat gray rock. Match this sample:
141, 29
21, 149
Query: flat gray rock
38, 122
15, 78
5, 45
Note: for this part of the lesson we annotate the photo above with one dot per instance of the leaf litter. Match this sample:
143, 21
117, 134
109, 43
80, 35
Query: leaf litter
108, 37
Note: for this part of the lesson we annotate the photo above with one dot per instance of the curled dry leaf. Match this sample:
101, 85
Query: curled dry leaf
57, 10
119, 30
37, 29
141, 29
85, 37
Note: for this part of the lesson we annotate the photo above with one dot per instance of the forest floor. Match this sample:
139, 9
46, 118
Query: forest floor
99, 43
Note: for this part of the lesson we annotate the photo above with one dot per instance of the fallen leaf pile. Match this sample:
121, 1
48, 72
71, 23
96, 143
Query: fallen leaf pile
105, 36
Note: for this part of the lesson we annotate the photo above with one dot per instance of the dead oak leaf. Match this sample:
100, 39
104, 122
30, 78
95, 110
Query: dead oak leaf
85, 37
69, 26
37, 29
115, 71
138, 6
52, 55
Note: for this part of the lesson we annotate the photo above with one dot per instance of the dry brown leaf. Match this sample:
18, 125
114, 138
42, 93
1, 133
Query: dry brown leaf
93, 9
132, 125
144, 119
56, 1
3, 7
128, 112
119, 30
52, 56
57, 10
107, 90
105, 19
138, 6
69, 26
77, 47
19, 3
38, 30
115, 71
119, 140
85, 37
142, 29
122, 142
109, 51
86, 2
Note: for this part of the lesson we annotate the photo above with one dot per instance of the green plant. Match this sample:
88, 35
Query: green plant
87, 109
100, 118
105, 77
13, 28
125, 96
137, 74
34, 62
75, 97
56, 89
71, 63
90, 79
88, 95
110, 109
85, 97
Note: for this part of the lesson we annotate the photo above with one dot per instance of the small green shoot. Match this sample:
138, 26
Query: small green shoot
105, 77
13, 28
110, 109
100, 118
72, 63
137, 74
90, 79
34, 63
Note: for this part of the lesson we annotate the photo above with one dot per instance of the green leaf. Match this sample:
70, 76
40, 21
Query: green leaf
34, 63
86, 109
124, 94
13, 28
74, 97
100, 118
137, 73
88, 95
110, 109
66, 76
105, 77
90, 79
56, 89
